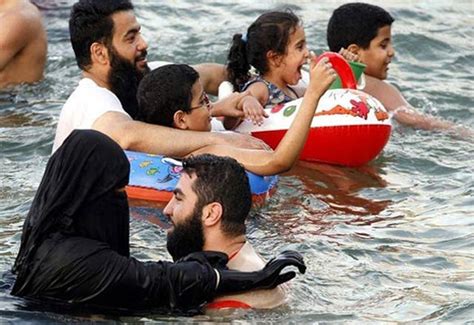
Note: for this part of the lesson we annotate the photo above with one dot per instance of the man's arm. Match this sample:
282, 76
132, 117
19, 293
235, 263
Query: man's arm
143, 137
14, 36
211, 76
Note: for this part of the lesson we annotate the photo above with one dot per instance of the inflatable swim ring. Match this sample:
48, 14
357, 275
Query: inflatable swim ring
349, 127
153, 179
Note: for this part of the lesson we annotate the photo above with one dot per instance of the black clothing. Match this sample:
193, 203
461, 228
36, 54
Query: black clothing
75, 241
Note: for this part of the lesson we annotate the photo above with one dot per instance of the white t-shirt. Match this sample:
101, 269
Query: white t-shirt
85, 105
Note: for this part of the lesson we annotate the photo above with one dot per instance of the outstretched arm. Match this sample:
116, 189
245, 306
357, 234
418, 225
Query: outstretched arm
211, 76
282, 159
251, 106
403, 112
139, 136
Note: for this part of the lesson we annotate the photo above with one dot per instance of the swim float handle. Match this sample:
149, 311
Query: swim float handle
342, 68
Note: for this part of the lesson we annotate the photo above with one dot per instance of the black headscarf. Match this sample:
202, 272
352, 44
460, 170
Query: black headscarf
77, 197
75, 245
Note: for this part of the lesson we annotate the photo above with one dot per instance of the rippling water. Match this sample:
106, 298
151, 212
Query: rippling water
392, 241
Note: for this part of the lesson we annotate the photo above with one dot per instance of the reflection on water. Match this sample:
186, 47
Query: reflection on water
389, 242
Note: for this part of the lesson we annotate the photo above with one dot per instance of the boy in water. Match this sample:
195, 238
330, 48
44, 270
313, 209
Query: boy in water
173, 96
365, 30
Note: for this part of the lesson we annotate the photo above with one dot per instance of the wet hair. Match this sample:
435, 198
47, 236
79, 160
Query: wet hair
164, 91
270, 32
356, 23
223, 180
91, 21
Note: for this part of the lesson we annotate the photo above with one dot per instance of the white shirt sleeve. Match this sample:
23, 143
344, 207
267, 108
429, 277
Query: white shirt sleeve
85, 105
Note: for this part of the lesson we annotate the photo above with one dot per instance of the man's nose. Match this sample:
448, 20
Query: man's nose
167, 211
142, 44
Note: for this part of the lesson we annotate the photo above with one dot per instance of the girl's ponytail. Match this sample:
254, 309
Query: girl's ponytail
237, 63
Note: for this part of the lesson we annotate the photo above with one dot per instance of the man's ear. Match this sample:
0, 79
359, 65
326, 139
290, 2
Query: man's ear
99, 53
274, 59
212, 214
180, 120
354, 48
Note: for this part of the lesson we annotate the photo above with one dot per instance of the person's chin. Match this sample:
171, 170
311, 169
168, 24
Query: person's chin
142, 65
383, 75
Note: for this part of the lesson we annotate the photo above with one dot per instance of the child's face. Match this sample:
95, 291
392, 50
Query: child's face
199, 119
296, 56
379, 54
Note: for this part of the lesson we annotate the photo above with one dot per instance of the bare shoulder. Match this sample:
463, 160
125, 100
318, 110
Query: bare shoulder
385, 92
24, 19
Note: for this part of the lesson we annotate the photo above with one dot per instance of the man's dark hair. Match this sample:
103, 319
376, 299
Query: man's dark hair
223, 180
90, 21
164, 91
356, 23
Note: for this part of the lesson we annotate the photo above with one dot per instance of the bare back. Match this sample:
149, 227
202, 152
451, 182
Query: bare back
23, 43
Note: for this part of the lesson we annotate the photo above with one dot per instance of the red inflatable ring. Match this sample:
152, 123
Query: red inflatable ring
349, 127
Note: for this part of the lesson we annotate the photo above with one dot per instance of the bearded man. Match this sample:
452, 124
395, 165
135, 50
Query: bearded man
112, 55
209, 213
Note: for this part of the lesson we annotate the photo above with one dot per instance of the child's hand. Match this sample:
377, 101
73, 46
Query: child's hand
322, 75
253, 110
348, 55
230, 105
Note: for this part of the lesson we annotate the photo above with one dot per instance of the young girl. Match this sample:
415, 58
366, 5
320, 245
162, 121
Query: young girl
275, 45
173, 96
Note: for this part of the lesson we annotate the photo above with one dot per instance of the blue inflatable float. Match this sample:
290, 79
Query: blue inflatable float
153, 179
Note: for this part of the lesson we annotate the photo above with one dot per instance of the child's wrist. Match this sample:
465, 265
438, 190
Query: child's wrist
240, 104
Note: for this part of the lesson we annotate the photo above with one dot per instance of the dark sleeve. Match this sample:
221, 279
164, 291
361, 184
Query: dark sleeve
86, 271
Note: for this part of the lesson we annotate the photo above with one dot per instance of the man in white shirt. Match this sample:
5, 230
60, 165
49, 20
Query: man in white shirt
111, 52
208, 211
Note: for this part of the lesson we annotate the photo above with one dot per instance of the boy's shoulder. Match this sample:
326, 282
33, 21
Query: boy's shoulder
390, 97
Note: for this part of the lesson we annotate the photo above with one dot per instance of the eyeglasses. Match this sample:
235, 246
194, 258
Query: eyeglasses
205, 102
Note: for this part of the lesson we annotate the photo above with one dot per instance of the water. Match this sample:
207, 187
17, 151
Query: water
389, 242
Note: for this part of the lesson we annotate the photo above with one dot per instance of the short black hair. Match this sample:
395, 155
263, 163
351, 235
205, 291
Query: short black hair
356, 23
164, 91
90, 21
223, 180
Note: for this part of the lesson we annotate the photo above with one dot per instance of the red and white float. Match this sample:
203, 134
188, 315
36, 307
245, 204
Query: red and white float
349, 127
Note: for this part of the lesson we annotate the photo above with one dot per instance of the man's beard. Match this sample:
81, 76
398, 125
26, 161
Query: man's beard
187, 237
123, 80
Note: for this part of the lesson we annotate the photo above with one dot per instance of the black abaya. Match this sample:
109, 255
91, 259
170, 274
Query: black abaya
75, 241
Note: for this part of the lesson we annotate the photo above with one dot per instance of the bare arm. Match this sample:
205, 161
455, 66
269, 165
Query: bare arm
251, 106
15, 34
211, 76
139, 136
287, 152
403, 112
228, 106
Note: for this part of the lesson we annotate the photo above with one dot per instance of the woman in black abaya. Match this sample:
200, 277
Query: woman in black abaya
75, 241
